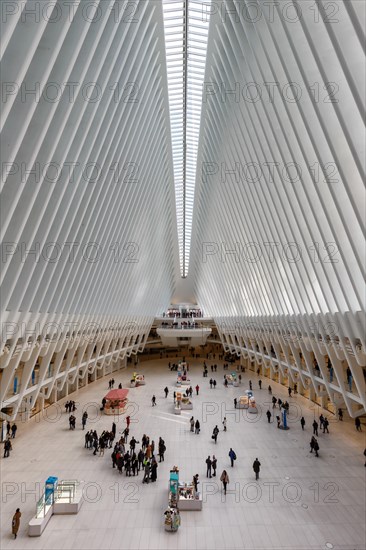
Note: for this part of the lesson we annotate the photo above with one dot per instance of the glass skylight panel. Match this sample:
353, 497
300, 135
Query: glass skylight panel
185, 84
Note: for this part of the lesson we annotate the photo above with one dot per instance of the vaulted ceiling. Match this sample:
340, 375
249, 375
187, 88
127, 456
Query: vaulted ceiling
254, 192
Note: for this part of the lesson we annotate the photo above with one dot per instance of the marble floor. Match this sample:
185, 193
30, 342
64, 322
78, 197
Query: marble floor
299, 502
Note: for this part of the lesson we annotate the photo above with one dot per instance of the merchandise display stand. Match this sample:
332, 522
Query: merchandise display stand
189, 498
171, 514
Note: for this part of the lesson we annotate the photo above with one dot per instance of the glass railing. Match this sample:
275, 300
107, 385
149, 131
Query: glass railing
43, 505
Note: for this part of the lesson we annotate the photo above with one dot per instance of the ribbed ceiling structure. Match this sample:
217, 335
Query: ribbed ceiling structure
90, 246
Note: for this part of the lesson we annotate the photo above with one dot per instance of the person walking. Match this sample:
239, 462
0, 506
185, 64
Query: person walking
224, 423
315, 428
340, 415
166, 391
215, 433
214, 465
7, 448
224, 478
316, 447
232, 456
235, 402
197, 389
269, 390
15, 524
302, 422
274, 401
358, 424
8, 428
260, 384
153, 401
325, 425
289, 391
250, 385
128, 421
13, 430
214, 384
209, 465
84, 419
211, 382
269, 415
256, 468
197, 427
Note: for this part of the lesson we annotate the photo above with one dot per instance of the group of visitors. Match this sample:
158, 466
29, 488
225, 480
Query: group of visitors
70, 406
104, 441
195, 425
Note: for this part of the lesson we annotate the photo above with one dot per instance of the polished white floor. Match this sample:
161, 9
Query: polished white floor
300, 502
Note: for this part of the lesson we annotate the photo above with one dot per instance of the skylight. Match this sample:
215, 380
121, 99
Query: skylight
186, 24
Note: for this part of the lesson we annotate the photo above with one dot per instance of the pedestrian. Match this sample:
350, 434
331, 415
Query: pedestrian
225, 383
214, 465
269, 414
358, 424
197, 389
128, 421
7, 447
295, 388
274, 401
146, 477
256, 468
215, 433
289, 391
315, 428
224, 478
278, 421
166, 391
197, 427
259, 384
224, 423
84, 419
325, 425
192, 423
214, 384
340, 414
114, 429
235, 402
14, 430
232, 456
321, 421
15, 524
153, 401
120, 386
269, 390
302, 422
195, 482
209, 465
211, 382
154, 468
239, 378
314, 445
250, 385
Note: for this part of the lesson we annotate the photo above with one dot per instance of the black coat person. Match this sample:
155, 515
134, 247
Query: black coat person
256, 468
269, 414
215, 433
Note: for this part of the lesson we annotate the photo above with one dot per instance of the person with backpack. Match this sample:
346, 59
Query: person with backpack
232, 456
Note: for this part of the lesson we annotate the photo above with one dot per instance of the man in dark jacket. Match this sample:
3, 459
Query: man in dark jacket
256, 468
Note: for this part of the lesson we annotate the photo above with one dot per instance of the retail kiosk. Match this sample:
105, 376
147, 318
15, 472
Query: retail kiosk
137, 380
116, 402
